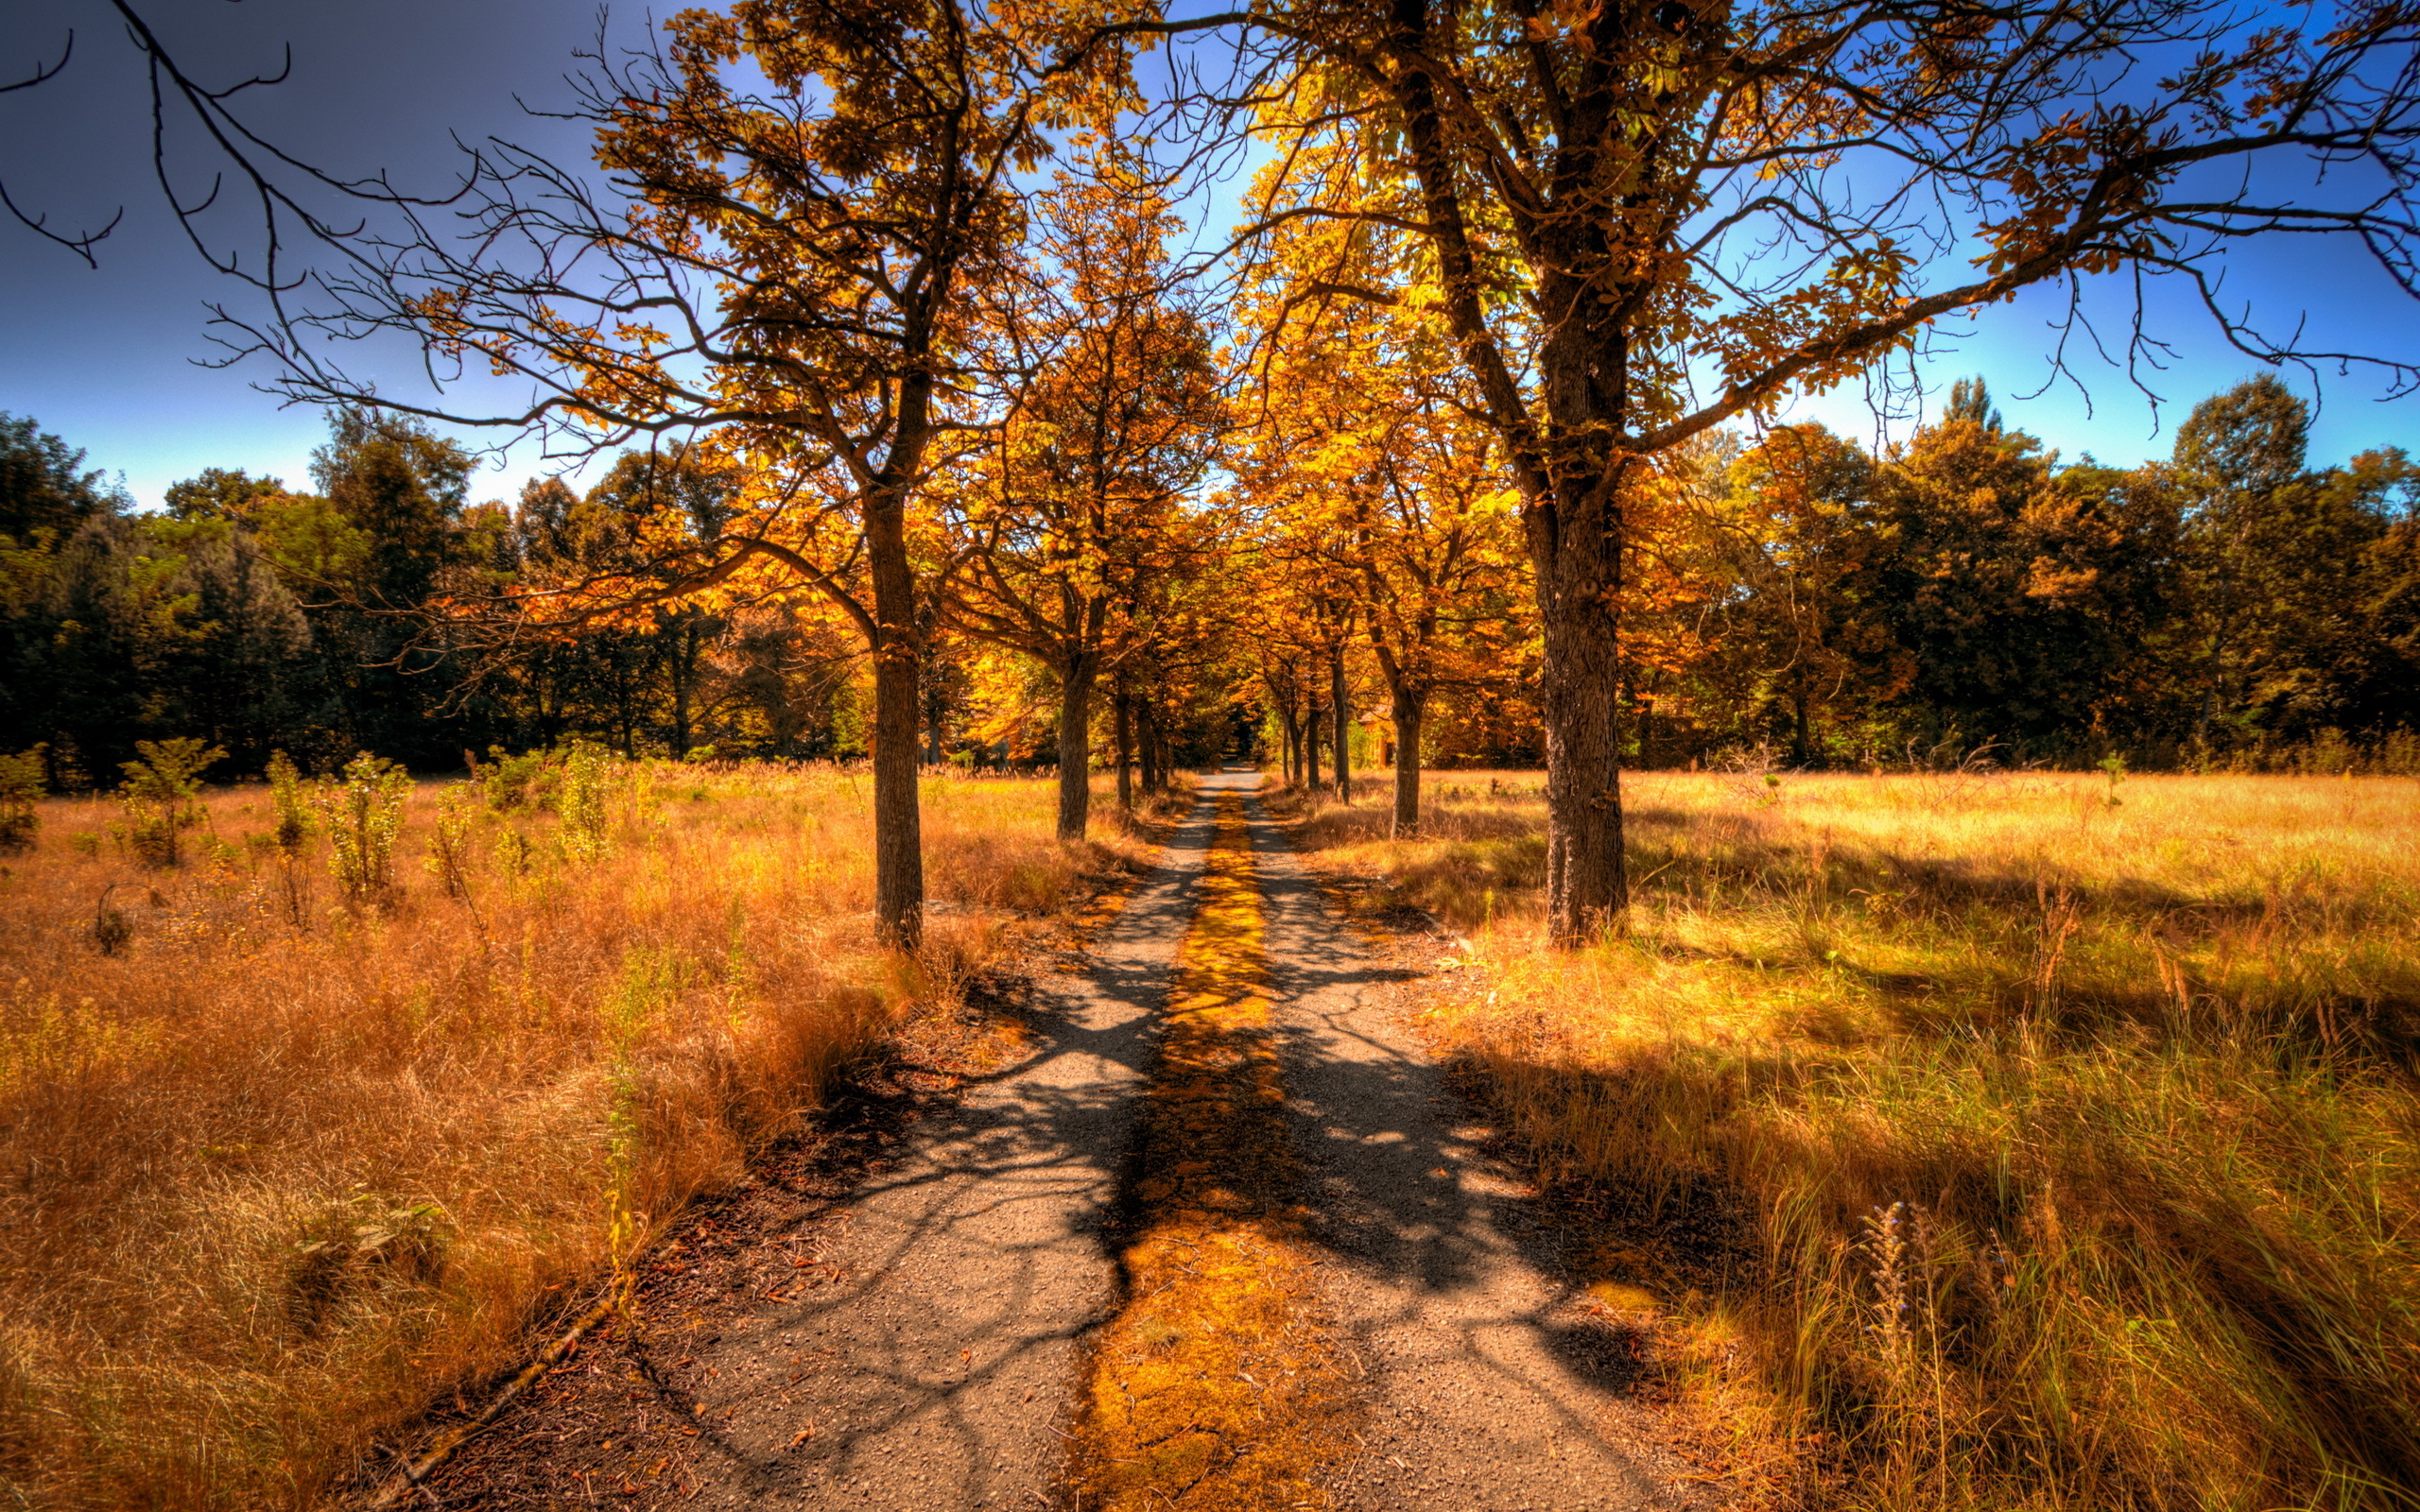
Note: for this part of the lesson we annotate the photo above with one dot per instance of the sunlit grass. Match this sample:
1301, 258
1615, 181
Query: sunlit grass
1987, 1143
276, 1172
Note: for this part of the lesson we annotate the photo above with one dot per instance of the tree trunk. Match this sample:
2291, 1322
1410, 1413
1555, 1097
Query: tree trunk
1074, 749
1587, 889
1341, 707
1311, 749
1410, 708
898, 829
1576, 534
685, 668
1289, 725
1150, 735
1123, 703
1571, 482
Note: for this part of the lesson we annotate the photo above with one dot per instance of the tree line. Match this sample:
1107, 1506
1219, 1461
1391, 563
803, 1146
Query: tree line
1796, 599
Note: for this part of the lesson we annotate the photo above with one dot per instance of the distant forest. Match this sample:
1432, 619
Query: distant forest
1796, 601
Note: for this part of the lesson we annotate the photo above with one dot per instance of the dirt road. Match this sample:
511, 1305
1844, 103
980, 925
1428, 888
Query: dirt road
920, 1344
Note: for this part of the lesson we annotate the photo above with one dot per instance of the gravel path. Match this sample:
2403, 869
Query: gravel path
935, 1374
1494, 1386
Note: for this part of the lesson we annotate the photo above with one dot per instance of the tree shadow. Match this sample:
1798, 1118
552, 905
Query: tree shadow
927, 1330
1448, 1264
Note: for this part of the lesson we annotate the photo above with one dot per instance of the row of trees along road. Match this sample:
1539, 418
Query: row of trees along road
1594, 235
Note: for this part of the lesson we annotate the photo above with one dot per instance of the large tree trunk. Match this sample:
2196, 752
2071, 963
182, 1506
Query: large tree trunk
1074, 749
1575, 546
1341, 704
1587, 888
898, 828
1571, 483
1123, 703
1410, 708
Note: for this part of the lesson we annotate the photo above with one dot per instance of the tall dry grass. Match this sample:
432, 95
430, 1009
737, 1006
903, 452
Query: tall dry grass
276, 1169
1987, 1141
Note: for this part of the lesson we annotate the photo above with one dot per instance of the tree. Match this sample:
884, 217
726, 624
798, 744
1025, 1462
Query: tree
799, 199
370, 553
2015, 588
2275, 560
1385, 496
1636, 222
684, 489
244, 663
1797, 545
2241, 454
43, 484
1076, 524
222, 493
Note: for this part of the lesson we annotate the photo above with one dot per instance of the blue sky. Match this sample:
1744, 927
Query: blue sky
106, 357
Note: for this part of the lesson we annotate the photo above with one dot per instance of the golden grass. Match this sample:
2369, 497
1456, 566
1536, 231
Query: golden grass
1986, 1142
278, 1172
1216, 1387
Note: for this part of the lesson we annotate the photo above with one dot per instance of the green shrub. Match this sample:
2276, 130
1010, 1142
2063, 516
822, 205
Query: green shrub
449, 845
363, 812
293, 805
527, 780
159, 796
586, 774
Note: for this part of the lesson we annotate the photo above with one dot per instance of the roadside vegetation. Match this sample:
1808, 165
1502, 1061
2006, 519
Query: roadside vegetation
1978, 1140
308, 1128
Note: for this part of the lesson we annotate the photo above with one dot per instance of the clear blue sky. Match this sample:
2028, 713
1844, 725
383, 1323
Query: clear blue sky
105, 358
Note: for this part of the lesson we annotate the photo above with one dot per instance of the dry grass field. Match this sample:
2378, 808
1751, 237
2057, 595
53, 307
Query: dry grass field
1981, 1140
278, 1165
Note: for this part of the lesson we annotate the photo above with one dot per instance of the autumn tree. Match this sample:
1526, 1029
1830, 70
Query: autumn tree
1296, 616
1633, 222
1077, 526
1386, 496
670, 491
793, 204
1795, 544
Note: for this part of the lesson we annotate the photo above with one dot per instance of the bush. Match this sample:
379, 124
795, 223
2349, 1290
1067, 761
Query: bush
510, 781
159, 796
362, 814
583, 803
449, 845
293, 807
